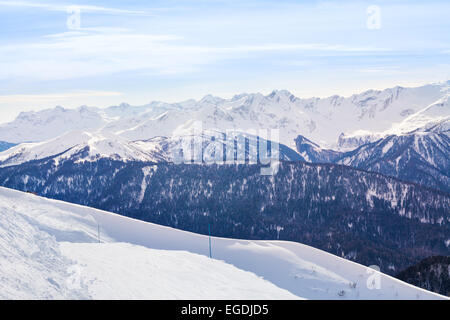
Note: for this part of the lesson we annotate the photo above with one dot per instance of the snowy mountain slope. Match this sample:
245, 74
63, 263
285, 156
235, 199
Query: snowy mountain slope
127, 271
438, 127
79, 145
421, 157
49, 124
321, 120
51, 253
208, 147
435, 117
212, 146
302, 270
312, 152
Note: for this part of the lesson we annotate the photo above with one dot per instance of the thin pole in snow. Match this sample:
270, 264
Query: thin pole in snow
98, 232
209, 232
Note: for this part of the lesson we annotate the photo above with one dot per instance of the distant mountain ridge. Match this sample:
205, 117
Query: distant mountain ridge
414, 147
333, 122
435, 117
207, 147
422, 157
312, 152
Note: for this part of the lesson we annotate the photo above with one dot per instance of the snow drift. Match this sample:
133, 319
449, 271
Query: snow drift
56, 250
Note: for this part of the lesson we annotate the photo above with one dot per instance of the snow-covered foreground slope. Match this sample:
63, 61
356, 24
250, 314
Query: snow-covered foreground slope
49, 253
50, 249
127, 271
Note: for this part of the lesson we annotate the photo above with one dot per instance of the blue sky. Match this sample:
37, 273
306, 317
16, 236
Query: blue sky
139, 51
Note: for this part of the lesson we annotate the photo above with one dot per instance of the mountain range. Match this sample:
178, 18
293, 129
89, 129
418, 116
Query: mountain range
409, 140
340, 123
364, 177
421, 157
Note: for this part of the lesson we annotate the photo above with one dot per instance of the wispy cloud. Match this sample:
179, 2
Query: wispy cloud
64, 8
381, 70
49, 98
301, 46
100, 51
190, 48
85, 31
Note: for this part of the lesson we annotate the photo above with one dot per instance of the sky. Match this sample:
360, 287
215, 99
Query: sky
102, 53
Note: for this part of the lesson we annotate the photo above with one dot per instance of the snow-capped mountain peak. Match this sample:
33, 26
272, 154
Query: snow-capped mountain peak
211, 100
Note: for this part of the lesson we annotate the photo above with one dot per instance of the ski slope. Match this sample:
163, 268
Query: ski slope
50, 249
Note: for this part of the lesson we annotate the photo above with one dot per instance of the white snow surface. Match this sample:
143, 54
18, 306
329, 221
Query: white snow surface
51, 250
53, 253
